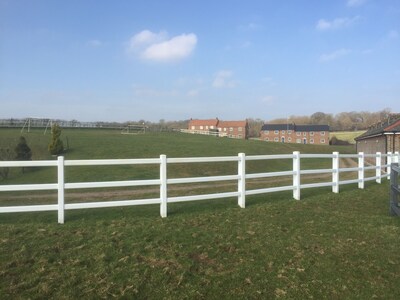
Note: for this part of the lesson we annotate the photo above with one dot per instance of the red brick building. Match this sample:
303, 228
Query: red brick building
232, 129
382, 137
292, 133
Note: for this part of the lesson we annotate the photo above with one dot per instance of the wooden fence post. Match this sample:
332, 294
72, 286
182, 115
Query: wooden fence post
242, 180
296, 175
378, 170
163, 185
388, 162
335, 172
394, 191
396, 157
361, 170
60, 197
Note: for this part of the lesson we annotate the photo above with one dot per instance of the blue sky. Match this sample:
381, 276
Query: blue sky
175, 60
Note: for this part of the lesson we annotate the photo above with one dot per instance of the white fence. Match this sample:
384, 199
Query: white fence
163, 181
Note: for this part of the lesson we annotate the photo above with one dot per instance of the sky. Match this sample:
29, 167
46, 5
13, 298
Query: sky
98, 60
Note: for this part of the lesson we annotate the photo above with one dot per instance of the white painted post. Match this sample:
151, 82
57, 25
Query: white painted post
163, 185
361, 170
242, 180
60, 178
335, 172
378, 170
388, 162
296, 175
396, 157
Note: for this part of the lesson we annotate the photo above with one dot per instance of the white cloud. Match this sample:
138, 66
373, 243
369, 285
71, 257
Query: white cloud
159, 47
223, 79
334, 55
177, 48
147, 37
337, 23
353, 3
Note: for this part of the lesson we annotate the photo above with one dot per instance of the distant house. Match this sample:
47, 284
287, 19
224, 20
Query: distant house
232, 129
382, 137
203, 125
292, 133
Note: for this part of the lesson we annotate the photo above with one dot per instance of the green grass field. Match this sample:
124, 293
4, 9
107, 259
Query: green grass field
348, 136
327, 245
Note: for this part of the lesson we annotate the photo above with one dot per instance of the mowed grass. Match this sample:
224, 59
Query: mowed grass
110, 144
324, 246
335, 246
348, 136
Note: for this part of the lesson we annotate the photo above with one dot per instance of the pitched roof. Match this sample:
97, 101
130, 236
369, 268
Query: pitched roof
232, 124
390, 125
278, 127
295, 127
196, 122
312, 127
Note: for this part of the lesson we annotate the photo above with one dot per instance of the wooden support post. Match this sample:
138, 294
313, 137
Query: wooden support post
335, 172
378, 170
394, 208
361, 170
60, 197
242, 180
163, 185
388, 162
296, 175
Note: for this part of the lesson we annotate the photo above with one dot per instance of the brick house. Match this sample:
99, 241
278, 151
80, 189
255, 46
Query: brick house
232, 129
292, 133
203, 125
382, 137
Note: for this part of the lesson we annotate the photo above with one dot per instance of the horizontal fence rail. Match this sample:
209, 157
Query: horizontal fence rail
295, 174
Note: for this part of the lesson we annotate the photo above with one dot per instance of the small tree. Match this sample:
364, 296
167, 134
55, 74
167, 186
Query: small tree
56, 145
22, 150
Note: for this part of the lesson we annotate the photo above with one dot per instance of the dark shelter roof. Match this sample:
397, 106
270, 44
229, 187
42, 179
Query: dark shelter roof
295, 127
389, 125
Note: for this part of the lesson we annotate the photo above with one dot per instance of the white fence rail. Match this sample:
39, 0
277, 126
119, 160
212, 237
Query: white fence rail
163, 181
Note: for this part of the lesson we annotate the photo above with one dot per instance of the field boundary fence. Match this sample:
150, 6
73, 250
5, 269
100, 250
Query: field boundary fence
394, 190
382, 171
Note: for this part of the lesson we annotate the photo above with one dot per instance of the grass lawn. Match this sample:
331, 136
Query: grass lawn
348, 136
324, 246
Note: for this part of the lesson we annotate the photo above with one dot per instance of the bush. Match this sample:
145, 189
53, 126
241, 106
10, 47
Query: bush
56, 146
338, 142
22, 150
